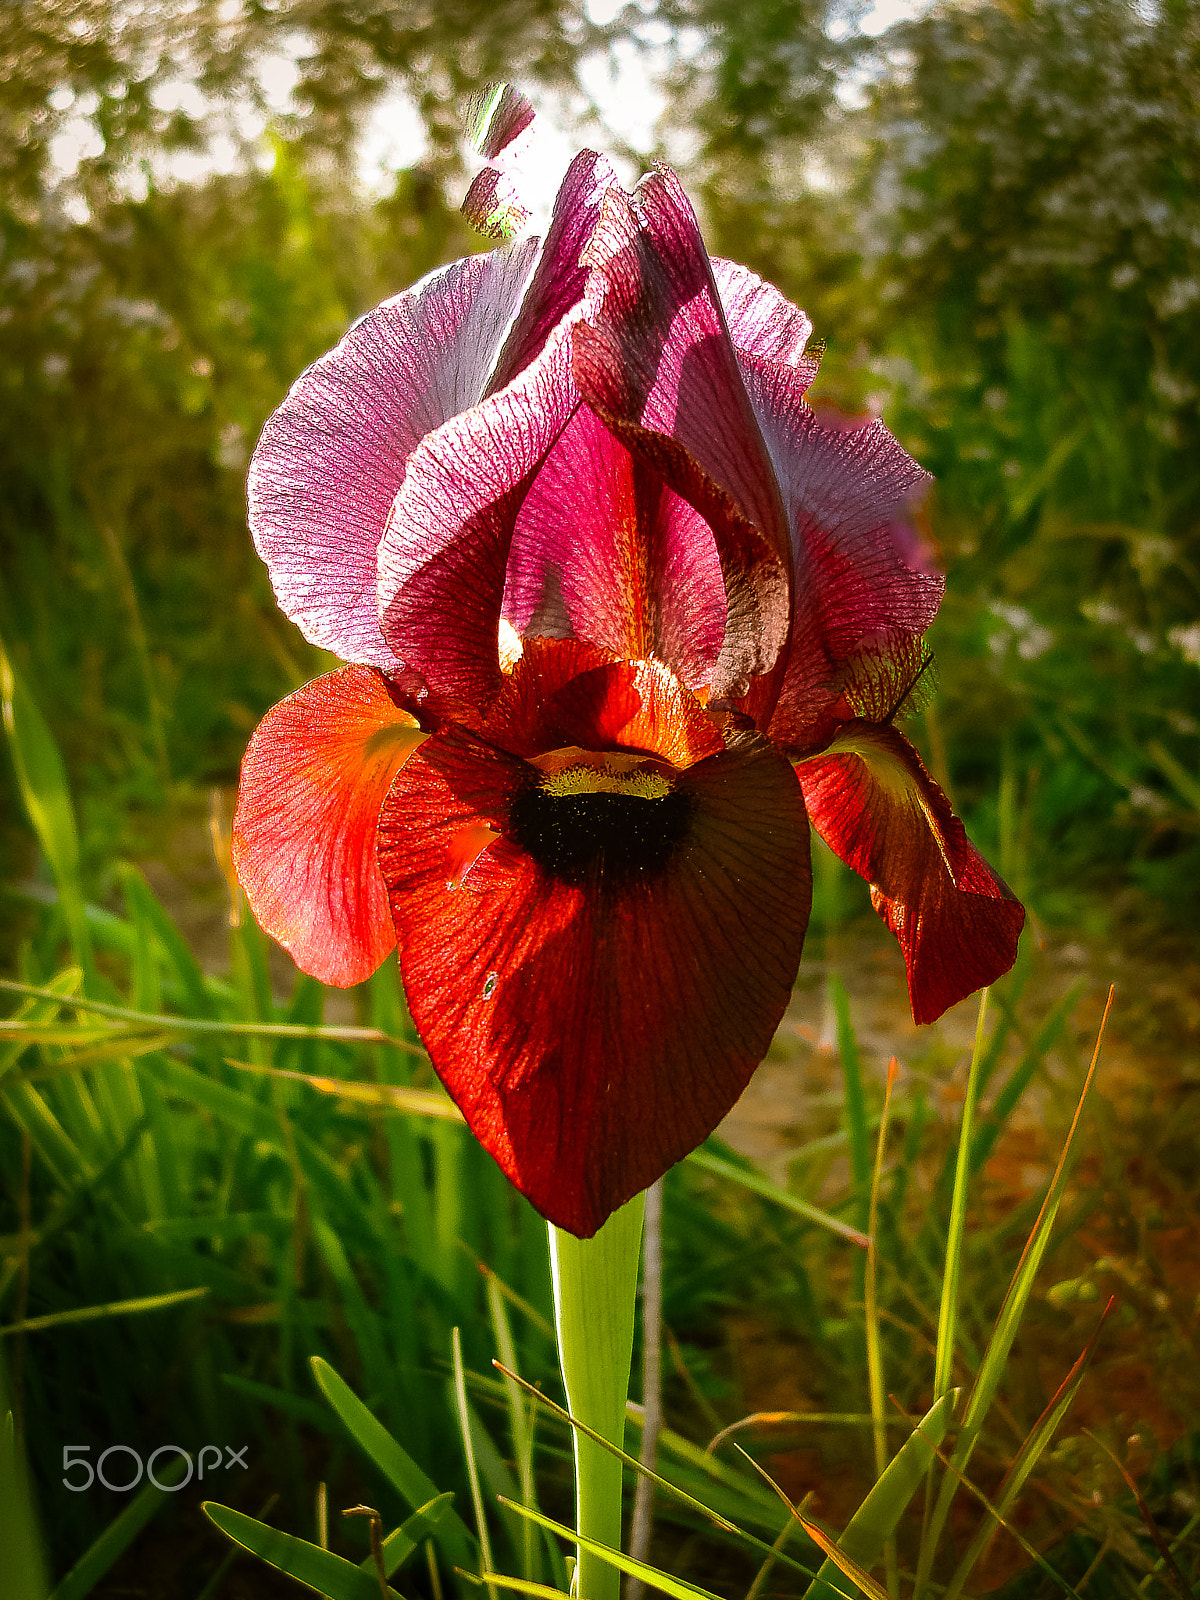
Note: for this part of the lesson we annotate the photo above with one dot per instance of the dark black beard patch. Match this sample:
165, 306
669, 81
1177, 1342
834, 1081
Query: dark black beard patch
617, 837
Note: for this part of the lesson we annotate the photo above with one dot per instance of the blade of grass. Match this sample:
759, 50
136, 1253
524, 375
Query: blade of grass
389, 1097
206, 1025
117, 1537
873, 1525
1035, 1556
756, 1183
403, 1542
401, 1471
46, 796
1025, 1460
22, 1559
875, 1376
855, 1099
328, 1574
668, 1440
995, 1357
143, 903
943, 1369
675, 1587
518, 1420
464, 1423
541, 1591
114, 1308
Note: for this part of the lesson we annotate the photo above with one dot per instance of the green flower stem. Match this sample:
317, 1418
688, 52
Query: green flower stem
595, 1287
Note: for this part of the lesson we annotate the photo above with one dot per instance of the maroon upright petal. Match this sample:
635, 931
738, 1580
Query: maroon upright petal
594, 1027
443, 556
876, 807
653, 358
604, 550
313, 780
332, 457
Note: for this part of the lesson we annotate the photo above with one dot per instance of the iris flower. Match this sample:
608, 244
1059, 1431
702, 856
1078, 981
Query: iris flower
622, 617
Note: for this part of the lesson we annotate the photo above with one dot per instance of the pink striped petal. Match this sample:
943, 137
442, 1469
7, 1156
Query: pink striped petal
561, 274
331, 459
605, 551
871, 800
762, 322
443, 556
863, 584
313, 780
653, 358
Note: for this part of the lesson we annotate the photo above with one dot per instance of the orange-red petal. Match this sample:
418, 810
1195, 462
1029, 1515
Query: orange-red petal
872, 801
313, 780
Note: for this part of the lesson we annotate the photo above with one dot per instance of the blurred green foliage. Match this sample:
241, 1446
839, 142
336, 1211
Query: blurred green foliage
1001, 241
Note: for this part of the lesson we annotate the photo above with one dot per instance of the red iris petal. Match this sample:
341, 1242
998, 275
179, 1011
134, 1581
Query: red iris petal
876, 807
762, 322
653, 358
565, 692
595, 1030
605, 550
560, 275
313, 780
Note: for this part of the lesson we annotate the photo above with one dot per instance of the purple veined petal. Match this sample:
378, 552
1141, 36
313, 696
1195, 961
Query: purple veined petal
332, 457
605, 551
863, 582
653, 357
763, 322
561, 274
444, 553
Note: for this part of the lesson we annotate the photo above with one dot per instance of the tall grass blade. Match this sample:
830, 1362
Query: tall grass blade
22, 1567
991, 1368
874, 1523
397, 1466
675, 1587
857, 1124
756, 1183
46, 796
683, 1448
943, 1372
331, 1033
875, 1377
540, 1591
464, 1423
114, 1308
1026, 1459
519, 1420
330, 1575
